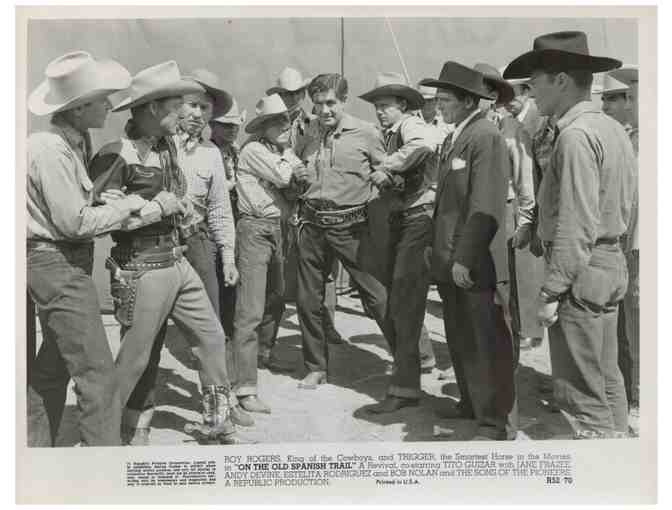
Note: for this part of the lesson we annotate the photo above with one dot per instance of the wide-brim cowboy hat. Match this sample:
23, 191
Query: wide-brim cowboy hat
492, 78
289, 80
611, 85
627, 74
233, 116
426, 92
75, 79
268, 108
156, 82
559, 51
394, 84
455, 75
210, 82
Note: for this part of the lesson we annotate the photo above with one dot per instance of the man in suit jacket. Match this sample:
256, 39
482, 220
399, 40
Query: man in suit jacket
470, 213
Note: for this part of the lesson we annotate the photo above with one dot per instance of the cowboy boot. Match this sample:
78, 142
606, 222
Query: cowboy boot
223, 427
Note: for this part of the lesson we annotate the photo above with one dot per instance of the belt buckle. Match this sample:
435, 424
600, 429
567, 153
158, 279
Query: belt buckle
331, 220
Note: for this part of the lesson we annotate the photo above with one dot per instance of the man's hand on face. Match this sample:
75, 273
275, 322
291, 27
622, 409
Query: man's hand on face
461, 276
380, 179
230, 272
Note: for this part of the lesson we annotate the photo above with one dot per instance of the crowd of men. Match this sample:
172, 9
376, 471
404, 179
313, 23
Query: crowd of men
465, 176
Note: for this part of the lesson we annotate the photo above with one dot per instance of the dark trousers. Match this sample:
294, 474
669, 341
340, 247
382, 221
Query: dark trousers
74, 345
407, 301
317, 249
260, 302
201, 254
628, 331
482, 353
588, 384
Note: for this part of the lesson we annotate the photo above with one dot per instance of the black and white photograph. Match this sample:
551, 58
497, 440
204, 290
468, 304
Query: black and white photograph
246, 232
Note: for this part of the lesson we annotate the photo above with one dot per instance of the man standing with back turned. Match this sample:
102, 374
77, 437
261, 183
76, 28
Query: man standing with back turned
585, 200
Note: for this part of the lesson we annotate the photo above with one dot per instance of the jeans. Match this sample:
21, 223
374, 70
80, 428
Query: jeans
176, 292
260, 292
407, 301
74, 345
588, 384
201, 254
318, 248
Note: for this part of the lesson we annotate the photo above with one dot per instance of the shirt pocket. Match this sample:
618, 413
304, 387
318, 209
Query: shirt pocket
201, 184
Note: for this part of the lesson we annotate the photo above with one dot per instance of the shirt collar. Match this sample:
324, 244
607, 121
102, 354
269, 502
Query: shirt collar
576, 111
73, 137
347, 122
395, 127
460, 127
526, 108
189, 142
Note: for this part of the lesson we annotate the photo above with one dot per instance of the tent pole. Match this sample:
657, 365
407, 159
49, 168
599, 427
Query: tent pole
342, 47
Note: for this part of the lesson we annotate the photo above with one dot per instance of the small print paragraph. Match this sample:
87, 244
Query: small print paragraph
171, 473
394, 468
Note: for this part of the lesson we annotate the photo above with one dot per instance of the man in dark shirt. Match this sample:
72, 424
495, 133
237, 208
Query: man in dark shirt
585, 200
333, 215
151, 280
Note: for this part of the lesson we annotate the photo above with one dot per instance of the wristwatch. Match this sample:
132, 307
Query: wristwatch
547, 297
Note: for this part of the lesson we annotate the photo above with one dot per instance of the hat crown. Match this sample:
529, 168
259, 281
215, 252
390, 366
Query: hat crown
72, 75
389, 78
427, 92
463, 77
611, 84
204, 76
270, 105
570, 41
290, 79
156, 77
488, 70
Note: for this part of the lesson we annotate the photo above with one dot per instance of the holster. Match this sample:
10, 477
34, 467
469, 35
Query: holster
123, 288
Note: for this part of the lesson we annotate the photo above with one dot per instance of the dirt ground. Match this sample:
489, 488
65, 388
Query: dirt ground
336, 412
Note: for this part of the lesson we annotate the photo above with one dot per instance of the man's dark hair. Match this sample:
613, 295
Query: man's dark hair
329, 81
616, 95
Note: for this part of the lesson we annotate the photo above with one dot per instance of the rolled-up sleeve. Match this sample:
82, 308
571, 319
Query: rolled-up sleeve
576, 165
522, 175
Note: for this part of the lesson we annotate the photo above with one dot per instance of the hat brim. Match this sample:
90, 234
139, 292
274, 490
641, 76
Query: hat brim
257, 123
625, 74
112, 74
178, 88
524, 65
504, 89
414, 98
281, 90
445, 84
223, 100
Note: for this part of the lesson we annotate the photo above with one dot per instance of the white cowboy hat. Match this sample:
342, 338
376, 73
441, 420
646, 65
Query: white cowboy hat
267, 108
394, 84
75, 79
426, 92
162, 80
232, 116
627, 74
210, 82
610, 85
290, 80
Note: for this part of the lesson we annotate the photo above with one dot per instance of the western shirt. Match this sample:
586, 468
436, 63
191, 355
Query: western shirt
341, 160
263, 170
206, 188
59, 194
586, 193
401, 140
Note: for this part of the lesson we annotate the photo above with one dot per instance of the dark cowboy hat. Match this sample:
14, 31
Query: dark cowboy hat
210, 82
494, 79
454, 75
560, 51
394, 84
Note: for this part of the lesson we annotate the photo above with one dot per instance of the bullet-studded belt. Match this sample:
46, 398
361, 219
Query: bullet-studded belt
332, 217
148, 252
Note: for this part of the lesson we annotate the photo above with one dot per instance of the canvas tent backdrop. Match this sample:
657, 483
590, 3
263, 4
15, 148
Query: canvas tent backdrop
248, 54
